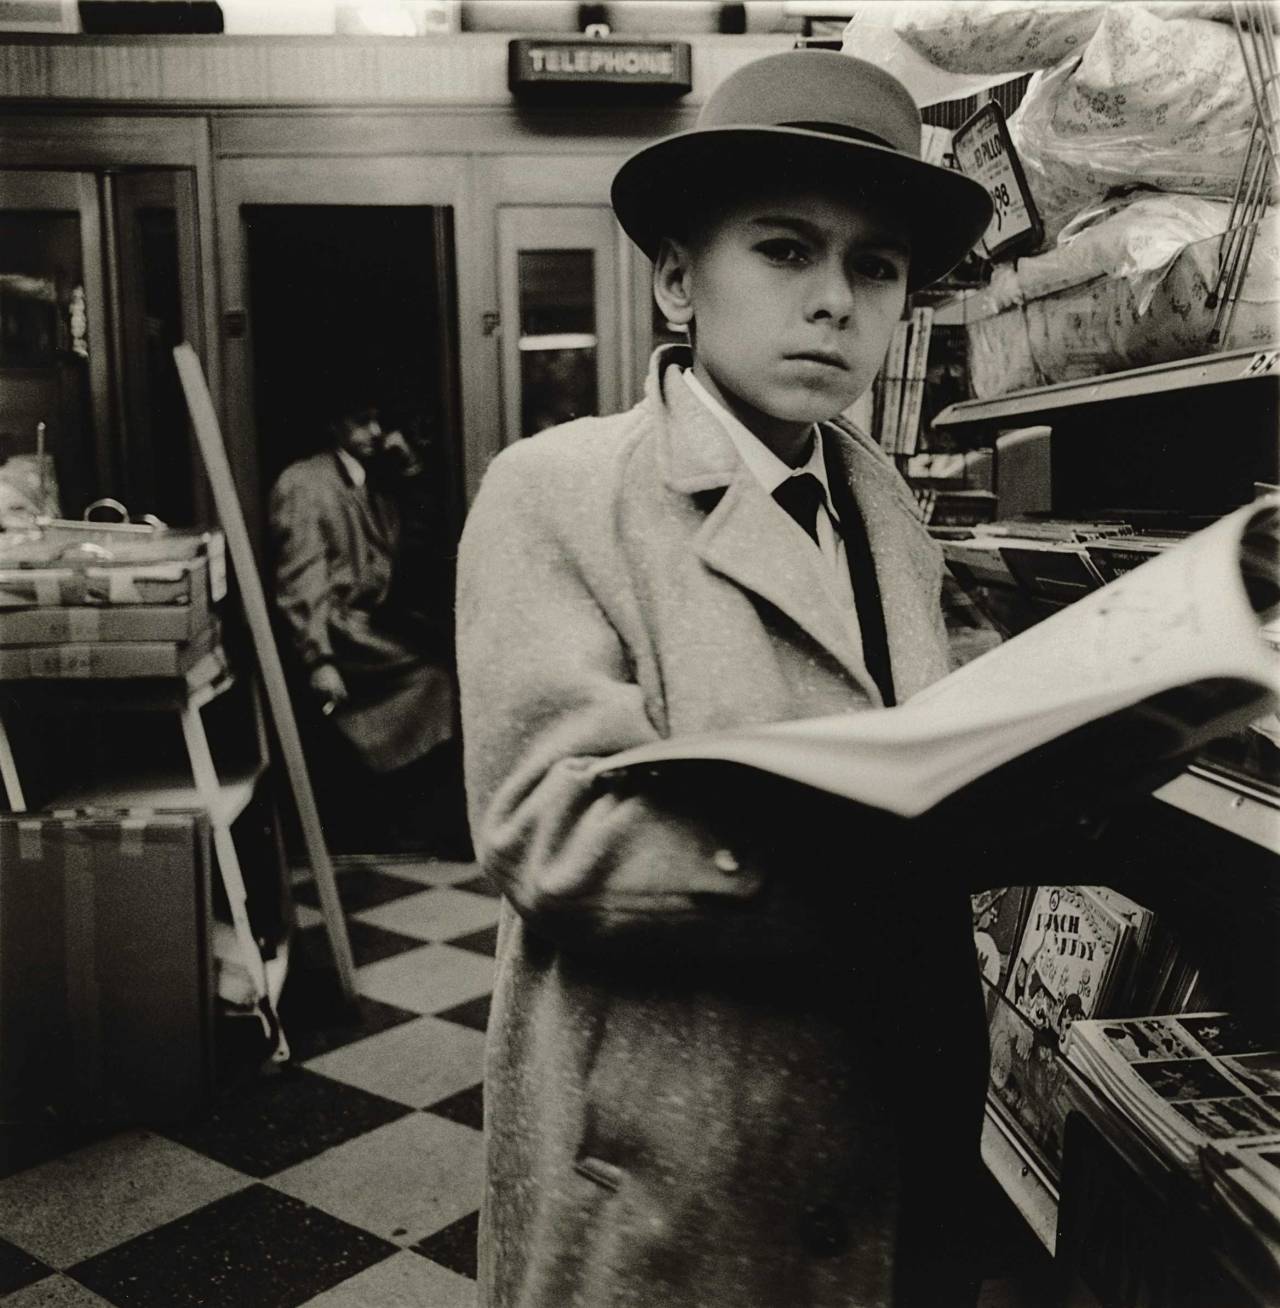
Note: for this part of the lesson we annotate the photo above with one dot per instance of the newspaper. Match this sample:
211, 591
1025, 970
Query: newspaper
1169, 656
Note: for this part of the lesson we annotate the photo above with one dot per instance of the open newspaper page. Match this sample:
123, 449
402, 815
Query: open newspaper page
1175, 645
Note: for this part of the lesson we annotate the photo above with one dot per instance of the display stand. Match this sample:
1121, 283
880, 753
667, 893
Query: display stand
209, 438
1150, 444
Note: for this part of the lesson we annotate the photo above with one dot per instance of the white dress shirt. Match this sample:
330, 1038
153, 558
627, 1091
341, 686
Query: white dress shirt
770, 471
355, 469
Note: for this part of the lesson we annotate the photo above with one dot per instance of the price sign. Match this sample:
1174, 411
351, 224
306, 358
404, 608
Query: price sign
984, 152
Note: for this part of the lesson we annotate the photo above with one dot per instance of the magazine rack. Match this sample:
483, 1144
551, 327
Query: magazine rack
1122, 1223
1151, 446
1124, 1237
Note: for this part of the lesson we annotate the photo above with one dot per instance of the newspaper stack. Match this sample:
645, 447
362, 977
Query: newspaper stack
1186, 1082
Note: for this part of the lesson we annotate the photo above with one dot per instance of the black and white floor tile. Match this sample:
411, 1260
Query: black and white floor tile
350, 1179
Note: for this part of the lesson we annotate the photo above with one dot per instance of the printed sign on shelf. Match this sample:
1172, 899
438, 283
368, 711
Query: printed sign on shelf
984, 152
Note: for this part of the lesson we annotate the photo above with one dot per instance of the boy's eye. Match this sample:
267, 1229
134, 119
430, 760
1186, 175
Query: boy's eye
879, 267
782, 250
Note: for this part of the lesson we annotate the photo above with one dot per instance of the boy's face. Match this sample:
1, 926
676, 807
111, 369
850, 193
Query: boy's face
793, 297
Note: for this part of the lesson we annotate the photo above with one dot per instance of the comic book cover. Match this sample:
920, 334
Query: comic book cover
1067, 958
997, 923
1031, 1087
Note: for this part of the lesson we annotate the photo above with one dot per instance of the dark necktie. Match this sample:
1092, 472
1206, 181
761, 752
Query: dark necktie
862, 573
801, 495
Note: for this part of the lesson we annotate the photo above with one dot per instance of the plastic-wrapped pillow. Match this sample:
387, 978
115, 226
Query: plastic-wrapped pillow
1162, 103
1129, 289
981, 37
997, 36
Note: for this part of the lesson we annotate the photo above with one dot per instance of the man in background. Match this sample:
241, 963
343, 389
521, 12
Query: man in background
375, 665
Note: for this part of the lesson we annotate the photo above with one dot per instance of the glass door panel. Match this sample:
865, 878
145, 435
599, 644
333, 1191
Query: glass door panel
157, 305
559, 366
559, 293
98, 282
51, 338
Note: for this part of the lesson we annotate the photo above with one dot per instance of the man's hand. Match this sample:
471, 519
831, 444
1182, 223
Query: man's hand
328, 685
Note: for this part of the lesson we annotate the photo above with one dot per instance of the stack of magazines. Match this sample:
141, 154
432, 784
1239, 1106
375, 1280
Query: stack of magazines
1054, 955
1186, 1082
1244, 1178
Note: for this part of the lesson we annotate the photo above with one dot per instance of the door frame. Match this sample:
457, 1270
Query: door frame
375, 180
576, 180
76, 192
90, 145
124, 193
103, 141
559, 227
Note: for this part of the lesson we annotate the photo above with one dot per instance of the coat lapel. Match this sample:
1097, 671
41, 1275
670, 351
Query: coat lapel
897, 545
745, 537
361, 500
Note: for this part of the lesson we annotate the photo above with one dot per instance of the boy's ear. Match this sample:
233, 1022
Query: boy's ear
673, 281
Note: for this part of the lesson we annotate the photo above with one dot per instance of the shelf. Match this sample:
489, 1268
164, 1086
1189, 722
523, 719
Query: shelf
1251, 815
162, 792
203, 683
1028, 1189
1181, 374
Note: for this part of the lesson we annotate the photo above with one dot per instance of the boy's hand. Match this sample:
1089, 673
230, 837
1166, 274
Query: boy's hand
328, 685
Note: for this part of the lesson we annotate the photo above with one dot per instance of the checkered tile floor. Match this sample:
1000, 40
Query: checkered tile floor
350, 1180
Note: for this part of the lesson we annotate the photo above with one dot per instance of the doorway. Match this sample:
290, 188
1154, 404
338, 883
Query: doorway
352, 298
350, 308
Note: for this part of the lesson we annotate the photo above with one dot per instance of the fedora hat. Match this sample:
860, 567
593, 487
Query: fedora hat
799, 118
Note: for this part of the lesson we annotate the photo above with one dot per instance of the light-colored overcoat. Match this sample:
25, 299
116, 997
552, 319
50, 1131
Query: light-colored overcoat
687, 1101
334, 547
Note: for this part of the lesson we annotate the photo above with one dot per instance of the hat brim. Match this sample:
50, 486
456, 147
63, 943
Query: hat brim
660, 187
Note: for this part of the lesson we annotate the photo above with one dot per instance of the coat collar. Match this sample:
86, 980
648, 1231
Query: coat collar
746, 539
369, 505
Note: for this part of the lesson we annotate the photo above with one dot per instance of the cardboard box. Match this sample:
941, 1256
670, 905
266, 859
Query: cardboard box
106, 1008
76, 543
95, 659
85, 623
75, 566
186, 582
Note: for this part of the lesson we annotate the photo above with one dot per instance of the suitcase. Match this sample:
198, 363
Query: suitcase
106, 994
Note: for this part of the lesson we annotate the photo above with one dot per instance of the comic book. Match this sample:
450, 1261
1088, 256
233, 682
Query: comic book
1072, 949
997, 923
1074, 958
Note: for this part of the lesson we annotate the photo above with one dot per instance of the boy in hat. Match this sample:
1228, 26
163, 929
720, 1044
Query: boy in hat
734, 1059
